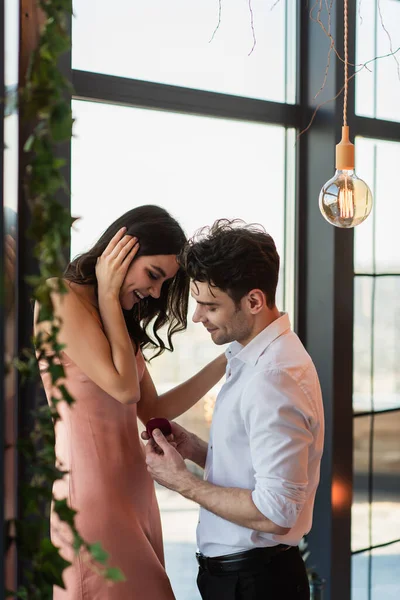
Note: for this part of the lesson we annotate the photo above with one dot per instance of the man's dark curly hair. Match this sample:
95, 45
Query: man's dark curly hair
233, 257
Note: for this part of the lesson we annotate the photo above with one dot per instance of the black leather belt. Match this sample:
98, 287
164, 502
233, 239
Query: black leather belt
257, 557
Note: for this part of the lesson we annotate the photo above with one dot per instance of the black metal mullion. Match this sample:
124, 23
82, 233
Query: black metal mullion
286, 49
97, 87
285, 201
375, 71
370, 495
377, 274
376, 412
355, 552
372, 369
376, 128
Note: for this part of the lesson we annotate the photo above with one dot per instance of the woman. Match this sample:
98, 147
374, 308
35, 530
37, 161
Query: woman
127, 284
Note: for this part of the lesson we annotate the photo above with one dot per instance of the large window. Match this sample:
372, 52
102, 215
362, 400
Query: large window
376, 494
180, 105
199, 169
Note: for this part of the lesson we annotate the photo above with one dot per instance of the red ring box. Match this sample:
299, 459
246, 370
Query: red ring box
158, 423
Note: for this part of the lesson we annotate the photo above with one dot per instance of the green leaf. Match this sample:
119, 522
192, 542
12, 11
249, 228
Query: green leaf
66, 395
29, 143
22, 593
61, 122
51, 563
114, 574
65, 512
56, 371
99, 555
77, 543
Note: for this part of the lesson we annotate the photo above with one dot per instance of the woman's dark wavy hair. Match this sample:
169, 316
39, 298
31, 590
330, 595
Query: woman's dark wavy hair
158, 233
233, 257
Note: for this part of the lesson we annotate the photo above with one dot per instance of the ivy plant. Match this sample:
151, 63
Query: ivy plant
45, 102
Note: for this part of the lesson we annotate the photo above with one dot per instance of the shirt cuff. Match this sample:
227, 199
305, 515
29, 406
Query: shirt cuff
276, 507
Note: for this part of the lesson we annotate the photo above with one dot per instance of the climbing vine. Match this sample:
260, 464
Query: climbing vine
45, 103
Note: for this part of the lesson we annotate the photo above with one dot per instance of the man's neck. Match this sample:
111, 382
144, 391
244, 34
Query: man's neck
261, 322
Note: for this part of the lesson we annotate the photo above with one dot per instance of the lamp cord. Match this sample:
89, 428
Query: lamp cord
346, 61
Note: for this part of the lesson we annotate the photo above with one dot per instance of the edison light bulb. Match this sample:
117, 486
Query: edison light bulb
345, 200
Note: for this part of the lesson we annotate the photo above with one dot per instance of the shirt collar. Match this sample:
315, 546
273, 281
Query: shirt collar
254, 349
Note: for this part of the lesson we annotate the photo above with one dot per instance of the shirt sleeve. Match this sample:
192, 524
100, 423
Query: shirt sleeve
275, 416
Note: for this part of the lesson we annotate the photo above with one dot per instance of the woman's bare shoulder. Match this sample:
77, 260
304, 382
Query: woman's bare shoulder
70, 300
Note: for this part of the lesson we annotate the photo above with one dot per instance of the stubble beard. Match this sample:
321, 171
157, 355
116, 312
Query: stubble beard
240, 330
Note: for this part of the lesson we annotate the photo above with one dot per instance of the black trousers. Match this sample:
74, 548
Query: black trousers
282, 577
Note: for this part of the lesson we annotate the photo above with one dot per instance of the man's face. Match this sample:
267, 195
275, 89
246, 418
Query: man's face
219, 314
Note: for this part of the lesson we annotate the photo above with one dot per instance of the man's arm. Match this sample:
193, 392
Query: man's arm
279, 443
232, 504
278, 418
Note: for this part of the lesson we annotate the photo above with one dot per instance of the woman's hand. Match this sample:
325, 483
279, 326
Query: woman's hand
113, 264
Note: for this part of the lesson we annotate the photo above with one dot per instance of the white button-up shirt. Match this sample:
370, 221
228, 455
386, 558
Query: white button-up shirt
266, 436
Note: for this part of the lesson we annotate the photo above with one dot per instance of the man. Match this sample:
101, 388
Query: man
263, 458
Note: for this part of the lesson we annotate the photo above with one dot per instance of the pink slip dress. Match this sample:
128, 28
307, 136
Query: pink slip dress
97, 442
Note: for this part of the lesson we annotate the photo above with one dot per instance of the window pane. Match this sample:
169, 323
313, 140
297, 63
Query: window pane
199, 169
360, 534
386, 573
359, 576
364, 254
170, 42
376, 326
383, 513
362, 358
386, 479
179, 521
376, 240
8, 254
387, 207
386, 373
11, 45
378, 87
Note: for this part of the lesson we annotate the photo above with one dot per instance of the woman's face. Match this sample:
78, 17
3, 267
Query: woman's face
145, 277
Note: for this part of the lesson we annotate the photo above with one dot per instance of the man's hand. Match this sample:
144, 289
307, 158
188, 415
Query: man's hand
181, 439
168, 467
184, 440
148, 438
189, 445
